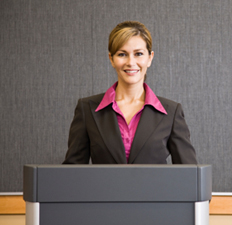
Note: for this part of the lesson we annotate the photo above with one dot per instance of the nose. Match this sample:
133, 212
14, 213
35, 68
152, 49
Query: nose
131, 60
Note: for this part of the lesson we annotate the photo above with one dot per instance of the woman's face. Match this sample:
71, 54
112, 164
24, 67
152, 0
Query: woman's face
131, 61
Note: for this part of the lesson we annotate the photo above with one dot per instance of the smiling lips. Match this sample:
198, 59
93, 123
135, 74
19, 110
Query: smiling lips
131, 72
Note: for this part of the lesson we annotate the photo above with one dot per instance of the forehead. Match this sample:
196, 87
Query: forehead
134, 43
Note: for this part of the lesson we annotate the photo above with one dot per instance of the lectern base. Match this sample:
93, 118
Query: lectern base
32, 213
202, 213
116, 213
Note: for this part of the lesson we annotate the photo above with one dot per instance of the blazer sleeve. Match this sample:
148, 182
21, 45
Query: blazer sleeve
78, 142
179, 143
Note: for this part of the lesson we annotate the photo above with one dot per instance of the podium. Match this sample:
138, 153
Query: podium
117, 194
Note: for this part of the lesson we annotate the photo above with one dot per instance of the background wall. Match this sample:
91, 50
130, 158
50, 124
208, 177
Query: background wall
54, 52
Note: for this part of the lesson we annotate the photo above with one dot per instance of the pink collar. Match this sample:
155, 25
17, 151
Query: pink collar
150, 99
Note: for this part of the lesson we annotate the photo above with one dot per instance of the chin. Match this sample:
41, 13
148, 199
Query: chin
134, 81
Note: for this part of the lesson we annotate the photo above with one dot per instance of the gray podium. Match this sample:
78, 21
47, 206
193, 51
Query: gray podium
117, 194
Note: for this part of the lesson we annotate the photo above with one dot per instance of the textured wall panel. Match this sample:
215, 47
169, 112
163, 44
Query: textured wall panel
54, 52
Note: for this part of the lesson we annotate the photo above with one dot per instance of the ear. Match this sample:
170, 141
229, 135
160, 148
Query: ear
111, 60
150, 59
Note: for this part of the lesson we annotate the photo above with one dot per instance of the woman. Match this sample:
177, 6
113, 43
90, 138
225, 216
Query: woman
129, 123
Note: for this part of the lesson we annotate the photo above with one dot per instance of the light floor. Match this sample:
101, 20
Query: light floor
12, 219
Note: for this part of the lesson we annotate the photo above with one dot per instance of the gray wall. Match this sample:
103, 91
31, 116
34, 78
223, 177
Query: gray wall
54, 52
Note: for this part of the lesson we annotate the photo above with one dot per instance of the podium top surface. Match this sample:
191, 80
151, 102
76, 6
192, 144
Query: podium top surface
117, 183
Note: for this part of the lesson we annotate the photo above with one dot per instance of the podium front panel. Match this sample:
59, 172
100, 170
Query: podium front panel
135, 213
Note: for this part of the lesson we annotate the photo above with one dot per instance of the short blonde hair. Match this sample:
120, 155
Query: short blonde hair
124, 31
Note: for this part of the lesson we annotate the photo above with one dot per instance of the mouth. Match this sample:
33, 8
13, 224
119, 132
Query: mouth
131, 71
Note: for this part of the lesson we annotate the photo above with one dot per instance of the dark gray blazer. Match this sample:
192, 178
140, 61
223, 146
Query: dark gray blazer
97, 135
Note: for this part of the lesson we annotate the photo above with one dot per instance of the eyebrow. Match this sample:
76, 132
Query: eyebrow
136, 50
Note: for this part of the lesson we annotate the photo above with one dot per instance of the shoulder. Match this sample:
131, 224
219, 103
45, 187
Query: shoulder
165, 101
94, 98
87, 103
170, 106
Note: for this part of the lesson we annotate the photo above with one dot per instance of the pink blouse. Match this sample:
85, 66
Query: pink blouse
128, 130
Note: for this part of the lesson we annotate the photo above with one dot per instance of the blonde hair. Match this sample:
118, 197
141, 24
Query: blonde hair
124, 31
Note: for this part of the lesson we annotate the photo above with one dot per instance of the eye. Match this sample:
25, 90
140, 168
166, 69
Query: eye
121, 54
138, 53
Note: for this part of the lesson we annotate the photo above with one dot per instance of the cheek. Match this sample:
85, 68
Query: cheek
118, 64
144, 64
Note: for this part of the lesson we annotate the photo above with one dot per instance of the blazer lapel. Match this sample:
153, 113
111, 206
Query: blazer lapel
149, 120
107, 124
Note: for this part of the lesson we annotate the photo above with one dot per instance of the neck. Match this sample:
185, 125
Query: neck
130, 93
